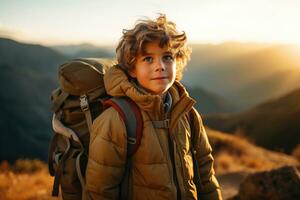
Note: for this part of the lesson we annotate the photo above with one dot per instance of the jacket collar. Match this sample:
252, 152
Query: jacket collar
117, 84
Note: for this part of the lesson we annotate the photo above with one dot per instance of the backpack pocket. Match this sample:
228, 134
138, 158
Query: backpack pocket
67, 163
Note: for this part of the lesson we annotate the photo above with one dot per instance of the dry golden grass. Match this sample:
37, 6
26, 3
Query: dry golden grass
24, 182
296, 152
236, 157
237, 154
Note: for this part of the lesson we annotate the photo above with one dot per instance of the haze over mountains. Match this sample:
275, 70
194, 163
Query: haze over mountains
222, 78
273, 124
245, 74
85, 50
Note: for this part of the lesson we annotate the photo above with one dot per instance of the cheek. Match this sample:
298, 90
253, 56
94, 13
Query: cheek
143, 72
172, 70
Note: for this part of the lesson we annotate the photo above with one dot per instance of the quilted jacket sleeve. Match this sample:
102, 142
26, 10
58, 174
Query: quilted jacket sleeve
209, 188
107, 156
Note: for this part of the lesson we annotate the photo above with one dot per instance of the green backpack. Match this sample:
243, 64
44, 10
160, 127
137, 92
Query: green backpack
80, 98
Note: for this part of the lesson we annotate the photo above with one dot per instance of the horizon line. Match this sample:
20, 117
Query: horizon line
87, 42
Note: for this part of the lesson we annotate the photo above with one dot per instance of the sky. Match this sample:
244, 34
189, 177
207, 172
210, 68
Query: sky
101, 22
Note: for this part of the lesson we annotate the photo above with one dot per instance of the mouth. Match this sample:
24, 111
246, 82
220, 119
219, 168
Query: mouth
159, 78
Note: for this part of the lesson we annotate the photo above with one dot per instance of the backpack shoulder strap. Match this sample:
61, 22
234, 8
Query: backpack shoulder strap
132, 117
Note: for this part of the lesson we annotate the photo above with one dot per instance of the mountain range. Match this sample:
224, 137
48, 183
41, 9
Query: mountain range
273, 124
245, 74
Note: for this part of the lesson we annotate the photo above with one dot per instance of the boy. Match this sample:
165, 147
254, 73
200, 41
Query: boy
151, 59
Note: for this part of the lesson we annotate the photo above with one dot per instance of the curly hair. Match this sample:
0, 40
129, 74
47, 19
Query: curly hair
134, 40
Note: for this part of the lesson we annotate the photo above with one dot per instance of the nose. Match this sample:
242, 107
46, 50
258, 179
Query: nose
160, 66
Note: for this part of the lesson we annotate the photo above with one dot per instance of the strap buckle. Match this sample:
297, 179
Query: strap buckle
57, 158
161, 124
166, 123
131, 140
84, 103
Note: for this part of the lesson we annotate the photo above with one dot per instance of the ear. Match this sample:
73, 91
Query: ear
132, 73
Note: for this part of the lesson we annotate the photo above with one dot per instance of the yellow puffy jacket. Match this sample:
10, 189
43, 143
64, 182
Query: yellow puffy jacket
162, 167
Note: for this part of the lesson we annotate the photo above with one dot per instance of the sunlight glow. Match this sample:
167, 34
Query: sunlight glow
99, 22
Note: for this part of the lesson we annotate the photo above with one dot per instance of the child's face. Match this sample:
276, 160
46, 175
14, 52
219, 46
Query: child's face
155, 70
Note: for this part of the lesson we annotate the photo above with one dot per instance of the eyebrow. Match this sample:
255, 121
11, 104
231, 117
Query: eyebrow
147, 53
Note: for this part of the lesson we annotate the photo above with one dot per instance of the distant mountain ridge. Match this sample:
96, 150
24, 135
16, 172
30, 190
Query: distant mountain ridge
28, 55
273, 124
207, 102
85, 50
28, 75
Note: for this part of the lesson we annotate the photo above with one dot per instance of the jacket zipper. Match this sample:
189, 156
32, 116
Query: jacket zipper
185, 177
171, 141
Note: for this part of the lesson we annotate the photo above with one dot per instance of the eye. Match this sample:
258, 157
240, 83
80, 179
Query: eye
148, 59
168, 58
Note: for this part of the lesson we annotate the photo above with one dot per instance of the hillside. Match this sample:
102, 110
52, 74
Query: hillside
236, 153
208, 102
236, 158
28, 75
273, 124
